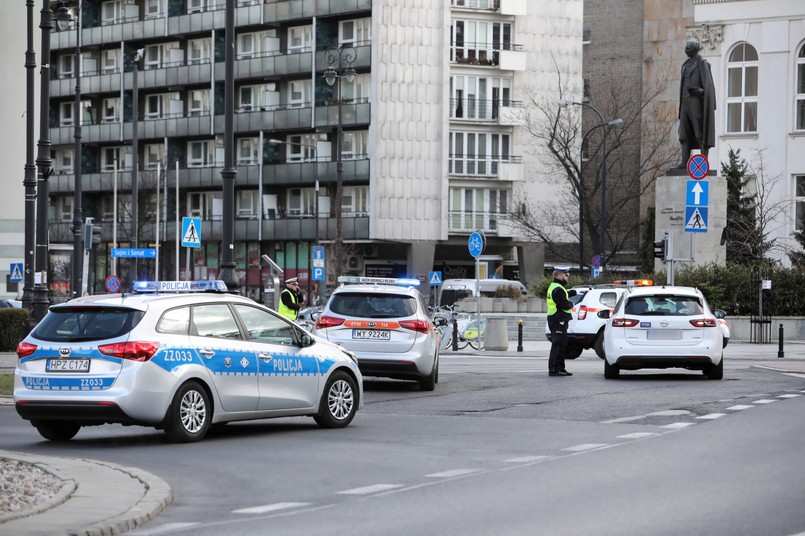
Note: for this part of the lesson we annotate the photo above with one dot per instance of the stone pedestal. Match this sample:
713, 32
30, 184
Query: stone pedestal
497, 338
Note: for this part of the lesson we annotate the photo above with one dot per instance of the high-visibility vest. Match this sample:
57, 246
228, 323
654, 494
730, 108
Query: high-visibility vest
549, 299
284, 310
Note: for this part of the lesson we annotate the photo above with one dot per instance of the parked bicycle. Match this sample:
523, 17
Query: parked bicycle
467, 327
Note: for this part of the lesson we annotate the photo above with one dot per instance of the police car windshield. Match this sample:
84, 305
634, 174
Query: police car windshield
367, 305
86, 324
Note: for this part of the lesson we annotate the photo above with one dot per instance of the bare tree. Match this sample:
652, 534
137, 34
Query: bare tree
636, 154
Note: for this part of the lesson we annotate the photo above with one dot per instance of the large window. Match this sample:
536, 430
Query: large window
800, 104
354, 144
116, 155
479, 42
163, 105
300, 38
355, 201
742, 83
201, 153
248, 149
478, 153
476, 97
355, 32
477, 208
799, 202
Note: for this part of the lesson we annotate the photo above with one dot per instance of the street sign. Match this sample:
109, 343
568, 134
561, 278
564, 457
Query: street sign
435, 279
477, 243
112, 284
16, 272
696, 219
596, 261
191, 232
318, 256
697, 193
134, 253
318, 273
698, 166
595, 273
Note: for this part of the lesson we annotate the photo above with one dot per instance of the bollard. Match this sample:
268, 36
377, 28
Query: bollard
520, 335
455, 335
780, 352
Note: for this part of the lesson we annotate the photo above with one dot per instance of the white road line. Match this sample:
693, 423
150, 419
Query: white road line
677, 425
366, 490
788, 396
636, 435
794, 375
452, 473
162, 529
586, 446
526, 459
711, 416
624, 419
671, 412
269, 508
764, 401
739, 407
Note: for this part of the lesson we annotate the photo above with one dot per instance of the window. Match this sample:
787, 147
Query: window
586, 33
205, 205
200, 153
800, 93
479, 42
474, 97
153, 56
175, 321
247, 98
478, 153
63, 160
301, 148
245, 46
112, 155
196, 6
301, 201
215, 321
477, 208
355, 201
199, 51
357, 90
264, 327
742, 84
355, 32
248, 149
162, 105
354, 144
66, 65
110, 60
799, 202
199, 102
110, 110
66, 114
64, 208
247, 203
300, 38
111, 12
299, 93
153, 155
153, 9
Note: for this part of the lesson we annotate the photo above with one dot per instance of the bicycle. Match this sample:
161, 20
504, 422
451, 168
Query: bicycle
465, 327
474, 336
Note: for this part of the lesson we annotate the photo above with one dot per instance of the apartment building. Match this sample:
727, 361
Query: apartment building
430, 149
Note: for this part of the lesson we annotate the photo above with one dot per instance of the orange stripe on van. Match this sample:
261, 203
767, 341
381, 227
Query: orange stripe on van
371, 324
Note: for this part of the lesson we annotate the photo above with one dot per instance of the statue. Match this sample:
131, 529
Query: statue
697, 104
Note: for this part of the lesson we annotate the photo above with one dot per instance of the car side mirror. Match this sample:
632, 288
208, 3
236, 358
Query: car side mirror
720, 313
440, 321
305, 340
605, 314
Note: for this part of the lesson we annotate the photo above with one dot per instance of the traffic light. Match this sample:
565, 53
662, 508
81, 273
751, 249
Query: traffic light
96, 235
92, 234
661, 249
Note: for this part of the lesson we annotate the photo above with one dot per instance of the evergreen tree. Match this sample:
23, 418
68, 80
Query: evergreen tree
798, 257
742, 230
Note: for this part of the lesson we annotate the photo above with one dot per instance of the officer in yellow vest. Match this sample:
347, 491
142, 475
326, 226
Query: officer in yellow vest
290, 299
559, 314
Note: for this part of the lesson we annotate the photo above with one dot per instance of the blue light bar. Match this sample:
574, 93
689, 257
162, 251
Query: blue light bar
379, 280
215, 285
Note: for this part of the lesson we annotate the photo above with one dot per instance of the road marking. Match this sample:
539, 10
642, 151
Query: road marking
678, 425
526, 459
162, 529
269, 508
586, 446
739, 407
366, 490
764, 401
623, 419
452, 473
711, 416
788, 396
671, 412
636, 435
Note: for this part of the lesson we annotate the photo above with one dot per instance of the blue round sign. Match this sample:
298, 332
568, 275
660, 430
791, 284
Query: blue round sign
477, 243
596, 261
698, 167
112, 284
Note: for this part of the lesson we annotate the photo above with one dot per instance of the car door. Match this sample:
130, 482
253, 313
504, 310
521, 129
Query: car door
288, 375
228, 356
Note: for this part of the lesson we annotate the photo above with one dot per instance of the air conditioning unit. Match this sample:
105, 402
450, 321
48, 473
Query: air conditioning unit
355, 263
370, 250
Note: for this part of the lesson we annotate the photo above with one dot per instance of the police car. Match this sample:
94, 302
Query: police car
385, 323
178, 356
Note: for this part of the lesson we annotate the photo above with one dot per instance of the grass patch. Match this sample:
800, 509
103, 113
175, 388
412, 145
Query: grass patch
6, 384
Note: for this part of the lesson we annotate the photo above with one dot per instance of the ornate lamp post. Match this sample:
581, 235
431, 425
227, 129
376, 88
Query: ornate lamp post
339, 65
135, 163
63, 20
29, 180
41, 300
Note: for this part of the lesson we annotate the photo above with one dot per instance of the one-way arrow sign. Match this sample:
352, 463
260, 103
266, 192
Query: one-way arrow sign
697, 193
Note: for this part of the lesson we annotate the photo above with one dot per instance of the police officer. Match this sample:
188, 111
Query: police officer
559, 307
290, 299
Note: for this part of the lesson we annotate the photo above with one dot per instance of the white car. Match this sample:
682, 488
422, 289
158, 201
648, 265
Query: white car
663, 327
178, 356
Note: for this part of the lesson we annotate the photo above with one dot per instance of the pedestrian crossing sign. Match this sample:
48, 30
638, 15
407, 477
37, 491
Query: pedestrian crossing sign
16, 273
435, 279
696, 219
191, 232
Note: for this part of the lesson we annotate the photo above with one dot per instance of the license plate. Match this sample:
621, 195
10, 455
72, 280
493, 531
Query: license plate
372, 334
67, 365
664, 335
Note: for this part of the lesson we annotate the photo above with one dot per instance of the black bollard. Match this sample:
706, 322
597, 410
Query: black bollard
780, 352
455, 335
520, 335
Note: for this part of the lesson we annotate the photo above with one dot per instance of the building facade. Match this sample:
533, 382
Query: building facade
425, 96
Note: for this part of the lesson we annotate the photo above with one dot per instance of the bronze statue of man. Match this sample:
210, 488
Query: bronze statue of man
697, 104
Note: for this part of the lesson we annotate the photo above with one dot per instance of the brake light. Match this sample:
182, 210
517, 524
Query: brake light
582, 312
24, 349
134, 351
325, 321
704, 322
624, 322
422, 326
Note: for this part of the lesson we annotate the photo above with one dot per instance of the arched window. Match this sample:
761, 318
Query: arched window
742, 78
800, 104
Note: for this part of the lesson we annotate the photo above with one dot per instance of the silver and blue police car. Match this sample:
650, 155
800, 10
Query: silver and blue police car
178, 356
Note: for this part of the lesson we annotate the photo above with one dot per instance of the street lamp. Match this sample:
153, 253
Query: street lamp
29, 180
135, 163
41, 300
339, 65
602, 222
63, 20
228, 173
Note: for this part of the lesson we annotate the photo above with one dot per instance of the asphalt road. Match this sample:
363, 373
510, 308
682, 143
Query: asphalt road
498, 448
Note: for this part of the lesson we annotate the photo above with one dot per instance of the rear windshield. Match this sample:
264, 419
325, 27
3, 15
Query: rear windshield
451, 296
364, 305
86, 324
665, 305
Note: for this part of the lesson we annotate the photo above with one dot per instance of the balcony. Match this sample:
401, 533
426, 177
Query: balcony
510, 57
467, 222
483, 166
504, 7
501, 112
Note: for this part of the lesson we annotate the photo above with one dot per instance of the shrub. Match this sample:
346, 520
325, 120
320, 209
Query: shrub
13, 328
507, 291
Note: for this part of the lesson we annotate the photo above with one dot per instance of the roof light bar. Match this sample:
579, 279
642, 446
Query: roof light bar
143, 287
402, 282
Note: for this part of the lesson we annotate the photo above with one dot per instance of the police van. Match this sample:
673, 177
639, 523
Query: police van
454, 290
178, 356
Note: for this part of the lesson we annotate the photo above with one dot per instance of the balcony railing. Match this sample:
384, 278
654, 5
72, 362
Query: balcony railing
480, 53
480, 165
478, 109
461, 222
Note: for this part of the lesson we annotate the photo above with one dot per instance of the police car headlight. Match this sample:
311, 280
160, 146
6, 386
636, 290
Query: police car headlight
350, 355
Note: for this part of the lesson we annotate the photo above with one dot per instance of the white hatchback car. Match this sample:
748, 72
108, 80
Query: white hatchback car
663, 327
385, 322
177, 361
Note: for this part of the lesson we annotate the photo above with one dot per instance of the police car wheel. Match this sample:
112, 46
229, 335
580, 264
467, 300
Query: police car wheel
611, 372
338, 402
189, 415
428, 383
573, 352
57, 430
598, 346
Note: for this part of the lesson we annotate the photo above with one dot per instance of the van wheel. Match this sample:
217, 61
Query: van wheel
598, 346
573, 352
